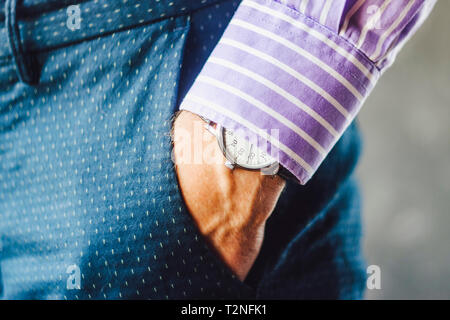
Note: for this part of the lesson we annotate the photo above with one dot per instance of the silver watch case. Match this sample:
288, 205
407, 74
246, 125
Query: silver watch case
219, 133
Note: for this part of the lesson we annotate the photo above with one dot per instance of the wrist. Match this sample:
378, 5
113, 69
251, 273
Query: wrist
230, 207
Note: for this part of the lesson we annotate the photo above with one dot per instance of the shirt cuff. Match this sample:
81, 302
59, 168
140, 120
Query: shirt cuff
285, 80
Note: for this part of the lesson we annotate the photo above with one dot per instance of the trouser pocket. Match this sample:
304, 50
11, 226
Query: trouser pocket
90, 207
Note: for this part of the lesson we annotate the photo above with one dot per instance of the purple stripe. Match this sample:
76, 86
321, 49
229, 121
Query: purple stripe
273, 101
284, 159
303, 40
308, 7
341, 42
316, 9
335, 15
286, 82
300, 64
254, 115
389, 17
359, 20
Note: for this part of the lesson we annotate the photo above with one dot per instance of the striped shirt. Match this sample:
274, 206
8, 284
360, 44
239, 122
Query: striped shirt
295, 73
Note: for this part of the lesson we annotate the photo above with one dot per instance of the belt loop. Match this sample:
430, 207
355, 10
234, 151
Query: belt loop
25, 64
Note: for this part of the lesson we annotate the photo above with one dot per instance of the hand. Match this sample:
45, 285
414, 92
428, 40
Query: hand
230, 207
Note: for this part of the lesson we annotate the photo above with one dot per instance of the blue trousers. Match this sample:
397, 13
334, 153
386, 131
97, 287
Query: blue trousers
89, 201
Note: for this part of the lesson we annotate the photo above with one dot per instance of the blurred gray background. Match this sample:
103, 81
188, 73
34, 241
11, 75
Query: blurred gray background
405, 168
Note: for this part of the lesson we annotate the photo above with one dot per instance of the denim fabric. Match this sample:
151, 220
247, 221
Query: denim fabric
86, 178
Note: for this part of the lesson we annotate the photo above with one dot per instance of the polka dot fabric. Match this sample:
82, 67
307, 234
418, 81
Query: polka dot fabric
86, 176
89, 201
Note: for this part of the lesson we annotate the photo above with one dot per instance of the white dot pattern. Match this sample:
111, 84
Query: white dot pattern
86, 176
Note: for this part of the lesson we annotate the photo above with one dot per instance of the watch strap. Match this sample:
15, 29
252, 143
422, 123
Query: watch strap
286, 174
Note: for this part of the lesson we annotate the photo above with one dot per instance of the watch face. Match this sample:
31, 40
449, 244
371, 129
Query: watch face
244, 154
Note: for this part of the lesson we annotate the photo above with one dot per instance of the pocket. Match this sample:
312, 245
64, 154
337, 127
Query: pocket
153, 248
196, 268
92, 183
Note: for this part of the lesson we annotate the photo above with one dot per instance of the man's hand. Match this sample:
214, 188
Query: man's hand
230, 207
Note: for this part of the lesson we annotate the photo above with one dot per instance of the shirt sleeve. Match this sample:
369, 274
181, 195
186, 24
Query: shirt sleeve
293, 74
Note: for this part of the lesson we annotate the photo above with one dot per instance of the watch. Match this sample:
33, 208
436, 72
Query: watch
241, 153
